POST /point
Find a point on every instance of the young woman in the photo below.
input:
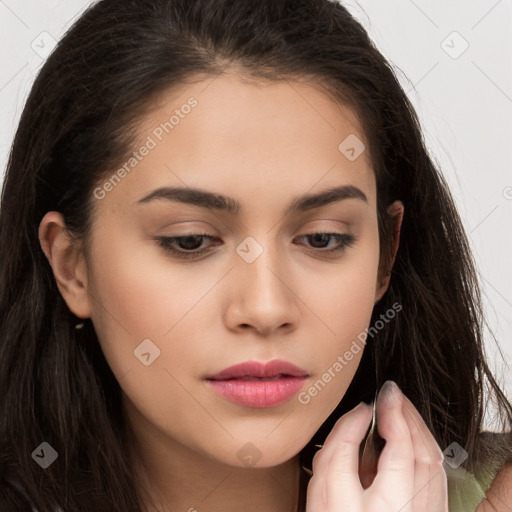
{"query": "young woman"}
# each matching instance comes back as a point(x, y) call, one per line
point(221, 238)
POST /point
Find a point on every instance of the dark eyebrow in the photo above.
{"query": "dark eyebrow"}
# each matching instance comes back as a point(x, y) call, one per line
point(213, 201)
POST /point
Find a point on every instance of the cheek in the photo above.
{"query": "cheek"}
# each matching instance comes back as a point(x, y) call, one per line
point(173, 305)
point(344, 304)
point(150, 309)
point(136, 300)
point(138, 295)
point(345, 296)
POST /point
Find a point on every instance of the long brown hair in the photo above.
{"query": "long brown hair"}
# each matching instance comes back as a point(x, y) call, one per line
point(79, 121)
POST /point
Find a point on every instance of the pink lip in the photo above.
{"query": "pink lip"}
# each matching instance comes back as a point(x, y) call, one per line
point(271, 369)
point(255, 384)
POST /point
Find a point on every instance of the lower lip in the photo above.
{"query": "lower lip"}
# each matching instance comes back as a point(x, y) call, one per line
point(258, 393)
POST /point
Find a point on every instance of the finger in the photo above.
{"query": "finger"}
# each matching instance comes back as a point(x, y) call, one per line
point(344, 487)
point(430, 482)
point(316, 499)
point(335, 466)
point(395, 469)
point(348, 425)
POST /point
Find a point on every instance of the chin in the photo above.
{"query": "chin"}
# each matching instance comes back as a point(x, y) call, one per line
point(265, 454)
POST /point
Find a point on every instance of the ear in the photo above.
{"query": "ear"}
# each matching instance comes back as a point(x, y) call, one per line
point(67, 263)
point(396, 211)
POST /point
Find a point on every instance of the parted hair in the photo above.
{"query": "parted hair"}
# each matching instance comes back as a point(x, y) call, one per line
point(80, 120)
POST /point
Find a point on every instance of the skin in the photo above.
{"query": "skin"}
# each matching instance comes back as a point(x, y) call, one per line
point(264, 145)
point(499, 495)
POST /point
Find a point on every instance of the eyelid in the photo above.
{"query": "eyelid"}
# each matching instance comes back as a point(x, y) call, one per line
point(347, 239)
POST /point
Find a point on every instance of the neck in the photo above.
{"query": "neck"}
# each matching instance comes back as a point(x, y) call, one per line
point(173, 477)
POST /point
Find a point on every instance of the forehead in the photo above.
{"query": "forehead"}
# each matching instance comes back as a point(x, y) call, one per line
point(273, 140)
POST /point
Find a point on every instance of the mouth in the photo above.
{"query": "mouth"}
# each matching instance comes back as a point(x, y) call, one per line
point(249, 378)
point(258, 385)
point(274, 369)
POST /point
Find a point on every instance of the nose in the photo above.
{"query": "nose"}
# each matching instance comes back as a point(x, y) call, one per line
point(263, 296)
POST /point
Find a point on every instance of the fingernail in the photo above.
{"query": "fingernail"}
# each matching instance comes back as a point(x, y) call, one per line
point(363, 405)
point(391, 394)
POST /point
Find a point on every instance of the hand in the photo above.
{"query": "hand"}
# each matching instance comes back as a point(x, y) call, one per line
point(409, 476)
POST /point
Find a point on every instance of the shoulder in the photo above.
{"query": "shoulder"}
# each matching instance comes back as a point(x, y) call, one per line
point(498, 497)
point(486, 487)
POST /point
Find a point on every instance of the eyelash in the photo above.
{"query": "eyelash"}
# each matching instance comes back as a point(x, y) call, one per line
point(166, 243)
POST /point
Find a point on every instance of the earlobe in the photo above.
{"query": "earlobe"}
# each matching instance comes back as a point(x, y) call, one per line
point(396, 211)
point(67, 263)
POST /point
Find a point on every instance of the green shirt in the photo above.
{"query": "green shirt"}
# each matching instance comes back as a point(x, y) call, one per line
point(465, 490)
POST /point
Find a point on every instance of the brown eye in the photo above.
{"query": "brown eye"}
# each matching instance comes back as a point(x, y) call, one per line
point(189, 246)
point(185, 246)
point(320, 240)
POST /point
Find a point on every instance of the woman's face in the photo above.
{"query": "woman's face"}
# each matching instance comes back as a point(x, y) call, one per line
point(264, 288)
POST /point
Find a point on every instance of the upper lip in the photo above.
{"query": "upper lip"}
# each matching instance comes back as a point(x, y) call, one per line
point(270, 369)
